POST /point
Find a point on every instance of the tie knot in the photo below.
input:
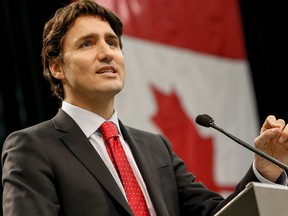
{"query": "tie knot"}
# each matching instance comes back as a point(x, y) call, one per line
point(108, 129)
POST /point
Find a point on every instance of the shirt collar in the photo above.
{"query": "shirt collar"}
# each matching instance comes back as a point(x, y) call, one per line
point(88, 121)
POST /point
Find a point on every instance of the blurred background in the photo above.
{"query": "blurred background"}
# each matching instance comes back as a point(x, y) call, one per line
point(25, 97)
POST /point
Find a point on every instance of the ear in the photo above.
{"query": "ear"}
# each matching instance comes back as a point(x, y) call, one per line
point(56, 69)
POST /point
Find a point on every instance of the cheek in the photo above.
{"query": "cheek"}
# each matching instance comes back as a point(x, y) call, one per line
point(122, 71)
point(77, 65)
point(121, 63)
point(75, 70)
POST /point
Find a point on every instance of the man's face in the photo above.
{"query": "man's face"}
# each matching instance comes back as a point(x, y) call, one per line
point(93, 61)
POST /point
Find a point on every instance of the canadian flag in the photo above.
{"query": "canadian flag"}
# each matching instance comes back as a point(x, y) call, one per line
point(185, 58)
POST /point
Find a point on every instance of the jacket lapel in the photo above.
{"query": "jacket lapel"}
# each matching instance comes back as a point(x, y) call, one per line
point(147, 168)
point(77, 142)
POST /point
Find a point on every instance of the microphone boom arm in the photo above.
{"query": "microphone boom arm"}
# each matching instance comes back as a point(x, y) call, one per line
point(252, 148)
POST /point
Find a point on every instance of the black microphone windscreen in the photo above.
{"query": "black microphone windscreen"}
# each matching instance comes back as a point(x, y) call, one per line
point(204, 120)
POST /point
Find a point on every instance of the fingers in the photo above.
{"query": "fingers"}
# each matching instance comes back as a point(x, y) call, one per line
point(275, 130)
point(266, 136)
point(272, 122)
point(283, 138)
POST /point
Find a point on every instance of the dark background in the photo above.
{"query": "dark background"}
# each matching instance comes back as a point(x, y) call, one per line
point(25, 97)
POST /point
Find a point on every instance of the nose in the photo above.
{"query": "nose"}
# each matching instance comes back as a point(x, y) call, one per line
point(105, 53)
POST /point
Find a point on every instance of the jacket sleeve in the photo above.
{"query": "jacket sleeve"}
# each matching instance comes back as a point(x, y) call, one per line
point(27, 178)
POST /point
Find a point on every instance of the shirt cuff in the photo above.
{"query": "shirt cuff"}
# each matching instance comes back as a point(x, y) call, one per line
point(282, 180)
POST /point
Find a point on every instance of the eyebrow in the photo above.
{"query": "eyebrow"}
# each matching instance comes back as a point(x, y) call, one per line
point(93, 35)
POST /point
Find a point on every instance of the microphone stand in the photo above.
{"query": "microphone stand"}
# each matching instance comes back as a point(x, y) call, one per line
point(252, 148)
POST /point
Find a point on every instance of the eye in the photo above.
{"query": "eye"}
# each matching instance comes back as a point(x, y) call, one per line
point(113, 42)
point(86, 43)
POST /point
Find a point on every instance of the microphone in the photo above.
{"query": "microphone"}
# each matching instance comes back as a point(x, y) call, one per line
point(207, 121)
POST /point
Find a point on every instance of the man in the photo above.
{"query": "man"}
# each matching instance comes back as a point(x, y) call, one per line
point(61, 166)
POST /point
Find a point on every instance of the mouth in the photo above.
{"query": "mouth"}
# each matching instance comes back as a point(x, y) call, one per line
point(106, 69)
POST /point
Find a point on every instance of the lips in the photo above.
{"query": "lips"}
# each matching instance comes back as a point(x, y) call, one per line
point(106, 69)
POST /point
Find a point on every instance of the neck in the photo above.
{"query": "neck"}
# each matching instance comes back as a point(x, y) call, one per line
point(103, 108)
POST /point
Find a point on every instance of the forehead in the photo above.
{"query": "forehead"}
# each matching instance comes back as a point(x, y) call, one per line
point(89, 24)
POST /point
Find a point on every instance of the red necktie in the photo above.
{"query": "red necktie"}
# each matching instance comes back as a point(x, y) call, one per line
point(116, 152)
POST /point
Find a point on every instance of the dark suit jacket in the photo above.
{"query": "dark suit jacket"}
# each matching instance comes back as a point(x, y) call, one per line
point(52, 169)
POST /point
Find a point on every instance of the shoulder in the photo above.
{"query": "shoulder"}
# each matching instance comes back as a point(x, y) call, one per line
point(39, 132)
point(27, 136)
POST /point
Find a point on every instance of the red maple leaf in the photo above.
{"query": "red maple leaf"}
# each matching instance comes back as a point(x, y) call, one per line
point(196, 151)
